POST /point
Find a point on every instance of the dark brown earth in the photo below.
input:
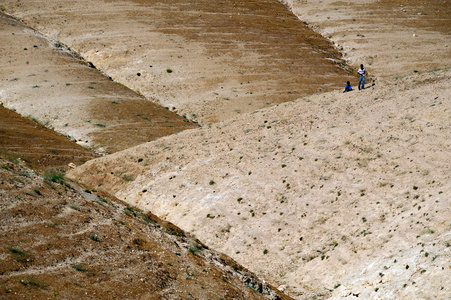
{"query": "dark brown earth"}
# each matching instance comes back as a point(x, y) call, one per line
point(59, 241)
point(23, 139)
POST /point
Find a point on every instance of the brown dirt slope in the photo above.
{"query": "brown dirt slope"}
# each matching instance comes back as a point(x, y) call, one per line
point(43, 80)
point(208, 60)
point(42, 148)
point(59, 241)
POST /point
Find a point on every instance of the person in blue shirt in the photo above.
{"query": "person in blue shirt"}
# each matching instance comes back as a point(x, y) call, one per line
point(348, 87)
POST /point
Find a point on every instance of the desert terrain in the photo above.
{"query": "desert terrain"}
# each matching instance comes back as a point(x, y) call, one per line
point(322, 194)
point(206, 61)
point(60, 241)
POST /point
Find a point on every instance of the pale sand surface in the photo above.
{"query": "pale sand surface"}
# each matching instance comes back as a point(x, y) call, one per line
point(391, 38)
point(362, 178)
point(349, 194)
point(208, 61)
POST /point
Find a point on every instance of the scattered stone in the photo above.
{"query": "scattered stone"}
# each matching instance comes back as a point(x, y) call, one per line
point(282, 288)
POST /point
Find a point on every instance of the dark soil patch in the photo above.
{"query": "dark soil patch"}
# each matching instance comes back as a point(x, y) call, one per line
point(61, 241)
point(26, 140)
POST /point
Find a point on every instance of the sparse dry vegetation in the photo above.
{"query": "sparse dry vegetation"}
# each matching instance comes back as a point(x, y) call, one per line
point(331, 194)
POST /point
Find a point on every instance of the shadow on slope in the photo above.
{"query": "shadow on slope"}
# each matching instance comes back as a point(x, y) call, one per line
point(26, 140)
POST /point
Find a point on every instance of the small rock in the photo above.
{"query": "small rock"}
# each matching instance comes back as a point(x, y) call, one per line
point(282, 288)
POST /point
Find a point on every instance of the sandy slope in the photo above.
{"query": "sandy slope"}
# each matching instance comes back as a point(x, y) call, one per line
point(333, 195)
point(391, 37)
point(337, 187)
point(43, 80)
point(207, 60)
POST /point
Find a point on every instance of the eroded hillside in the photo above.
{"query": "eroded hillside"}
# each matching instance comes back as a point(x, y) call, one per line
point(206, 60)
point(346, 192)
point(25, 140)
point(332, 195)
point(45, 81)
point(61, 241)
point(391, 38)
point(329, 196)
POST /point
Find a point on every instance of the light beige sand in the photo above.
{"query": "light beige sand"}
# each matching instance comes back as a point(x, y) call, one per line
point(362, 178)
point(332, 195)
point(208, 61)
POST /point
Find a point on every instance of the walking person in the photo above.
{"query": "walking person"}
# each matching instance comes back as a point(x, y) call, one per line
point(362, 73)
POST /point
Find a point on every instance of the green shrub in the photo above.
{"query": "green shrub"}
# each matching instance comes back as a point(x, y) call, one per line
point(55, 176)
point(79, 267)
point(94, 237)
point(194, 249)
point(18, 254)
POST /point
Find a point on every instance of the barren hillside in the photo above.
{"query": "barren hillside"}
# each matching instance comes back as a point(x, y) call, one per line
point(334, 190)
point(25, 140)
point(43, 80)
point(59, 241)
point(330, 195)
point(206, 60)
point(391, 38)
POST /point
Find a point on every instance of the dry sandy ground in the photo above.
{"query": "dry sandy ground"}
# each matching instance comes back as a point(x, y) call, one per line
point(347, 193)
point(334, 195)
point(43, 80)
point(329, 196)
point(60, 241)
point(206, 60)
point(390, 37)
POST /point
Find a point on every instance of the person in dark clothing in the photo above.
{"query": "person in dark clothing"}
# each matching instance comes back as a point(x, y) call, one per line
point(348, 87)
